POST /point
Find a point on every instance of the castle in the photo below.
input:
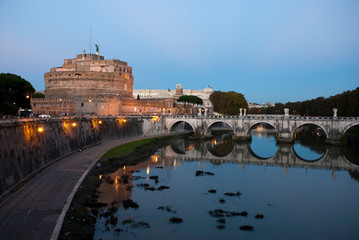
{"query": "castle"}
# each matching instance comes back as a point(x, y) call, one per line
point(91, 85)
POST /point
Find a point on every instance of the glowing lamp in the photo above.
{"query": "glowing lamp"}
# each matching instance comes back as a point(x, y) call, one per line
point(74, 124)
point(100, 122)
point(40, 129)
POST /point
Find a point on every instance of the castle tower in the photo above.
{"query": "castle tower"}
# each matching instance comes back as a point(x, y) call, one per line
point(179, 91)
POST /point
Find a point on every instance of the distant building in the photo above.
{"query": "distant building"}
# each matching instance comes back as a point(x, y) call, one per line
point(174, 94)
point(257, 105)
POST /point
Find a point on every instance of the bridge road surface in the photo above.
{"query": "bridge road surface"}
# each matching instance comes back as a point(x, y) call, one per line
point(32, 212)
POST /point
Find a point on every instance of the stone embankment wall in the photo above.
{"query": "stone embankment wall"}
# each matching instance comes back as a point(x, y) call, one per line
point(24, 148)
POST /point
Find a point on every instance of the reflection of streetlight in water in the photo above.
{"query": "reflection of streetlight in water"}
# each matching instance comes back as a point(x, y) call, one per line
point(190, 147)
point(148, 169)
point(116, 184)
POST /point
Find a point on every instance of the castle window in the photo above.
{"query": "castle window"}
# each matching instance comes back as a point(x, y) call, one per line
point(77, 74)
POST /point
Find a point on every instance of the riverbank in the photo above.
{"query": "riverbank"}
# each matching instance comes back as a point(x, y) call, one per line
point(79, 221)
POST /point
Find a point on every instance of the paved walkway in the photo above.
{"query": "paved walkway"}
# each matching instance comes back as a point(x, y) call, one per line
point(33, 211)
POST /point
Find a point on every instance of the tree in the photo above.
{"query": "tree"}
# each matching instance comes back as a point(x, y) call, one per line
point(347, 104)
point(227, 103)
point(190, 99)
point(15, 92)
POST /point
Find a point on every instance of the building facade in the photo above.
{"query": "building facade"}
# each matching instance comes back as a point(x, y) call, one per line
point(91, 85)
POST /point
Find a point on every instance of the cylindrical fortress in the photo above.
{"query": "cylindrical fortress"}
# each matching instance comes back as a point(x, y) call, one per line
point(89, 75)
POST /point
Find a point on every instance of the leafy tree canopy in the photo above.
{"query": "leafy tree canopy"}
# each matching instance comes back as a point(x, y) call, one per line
point(15, 92)
point(227, 103)
point(190, 99)
point(347, 104)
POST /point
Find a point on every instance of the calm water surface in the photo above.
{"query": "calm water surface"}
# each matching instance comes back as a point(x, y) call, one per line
point(302, 192)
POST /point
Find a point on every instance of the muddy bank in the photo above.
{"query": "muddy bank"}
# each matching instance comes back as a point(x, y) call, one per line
point(80, 219)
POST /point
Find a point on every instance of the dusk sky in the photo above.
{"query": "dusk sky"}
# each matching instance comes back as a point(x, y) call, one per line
point(271, 51)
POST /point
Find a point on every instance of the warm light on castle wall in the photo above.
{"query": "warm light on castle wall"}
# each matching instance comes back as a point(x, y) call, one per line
point(121, 120)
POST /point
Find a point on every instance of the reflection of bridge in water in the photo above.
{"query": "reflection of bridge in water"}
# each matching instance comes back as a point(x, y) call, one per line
point(285, 157)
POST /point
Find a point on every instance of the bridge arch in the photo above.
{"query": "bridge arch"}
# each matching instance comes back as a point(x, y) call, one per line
point(178, 122)
point(311, 123)
point(307, 160)
point(182, 147)
point(256, 156)
point(221, 146)
point(210, 126)
point(261, 122)
point(348, 127)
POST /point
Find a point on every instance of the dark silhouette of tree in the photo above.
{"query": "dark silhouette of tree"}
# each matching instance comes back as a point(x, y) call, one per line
point(227, 103)
point(15, 92)
point(38, 95)
point(190, 99)
point(347, 104)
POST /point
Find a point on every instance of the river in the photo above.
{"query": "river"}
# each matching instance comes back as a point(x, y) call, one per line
point(224, 190)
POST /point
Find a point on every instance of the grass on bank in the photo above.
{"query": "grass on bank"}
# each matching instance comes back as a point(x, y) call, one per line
point(127, 148)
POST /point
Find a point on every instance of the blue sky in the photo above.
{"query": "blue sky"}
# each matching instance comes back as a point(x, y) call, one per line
point(276, 51)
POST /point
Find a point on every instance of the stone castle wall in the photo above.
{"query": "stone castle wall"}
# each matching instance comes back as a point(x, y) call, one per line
point(101, 106)
point(24, 150)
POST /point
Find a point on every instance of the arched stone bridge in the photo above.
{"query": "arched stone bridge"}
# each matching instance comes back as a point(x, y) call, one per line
point(285, 126)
